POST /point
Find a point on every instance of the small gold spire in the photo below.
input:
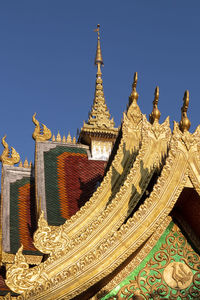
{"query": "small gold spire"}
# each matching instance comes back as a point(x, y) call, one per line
point(155, 115)
point(20, 164)
point(74, 140)
point(69, 139)
point(30, 165)
point(26, 163)
point(53, 138)
point(134, 94)
point(185, 122)
point(98, 58)
point(58, 137)
point(64, 139)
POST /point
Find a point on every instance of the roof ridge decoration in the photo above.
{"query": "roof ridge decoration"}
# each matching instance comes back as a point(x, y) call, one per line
point(99, 118)
point(123, 160)
point(5, 157)
point(38, 135)
point(117, 246)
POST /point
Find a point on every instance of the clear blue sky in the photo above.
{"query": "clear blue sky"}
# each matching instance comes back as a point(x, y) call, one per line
point(47, 51)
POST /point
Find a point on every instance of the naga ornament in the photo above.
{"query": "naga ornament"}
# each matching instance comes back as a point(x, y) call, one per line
point(6, 158)
point(39, 134)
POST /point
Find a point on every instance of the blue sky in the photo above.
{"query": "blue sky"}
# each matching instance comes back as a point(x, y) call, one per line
point(47, 55)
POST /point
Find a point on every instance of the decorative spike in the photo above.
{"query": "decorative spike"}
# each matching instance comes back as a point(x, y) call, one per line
point(5, 156)
point(155, 115)
point(20, 164)
point(74, 140)
point(134, 94)
point(58, 137)
point(69, 139)
point(98, 58)
point(53, 138)
point(30, 165)
point(37, 135)
point(26, 163)
point(64, 139)
point(185, 122)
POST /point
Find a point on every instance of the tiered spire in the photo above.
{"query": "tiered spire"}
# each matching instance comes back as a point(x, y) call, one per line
point(99, 117)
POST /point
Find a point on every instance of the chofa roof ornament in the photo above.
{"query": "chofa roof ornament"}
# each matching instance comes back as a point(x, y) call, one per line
point(155, 115)
point(38, 135)
point(6, 158)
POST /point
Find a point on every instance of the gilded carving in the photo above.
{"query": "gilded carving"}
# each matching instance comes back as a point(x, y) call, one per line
point(163, 276)
point(178, 275)
point(37, 134)
point(49, 235)
point(20, 277)
point(5, 157)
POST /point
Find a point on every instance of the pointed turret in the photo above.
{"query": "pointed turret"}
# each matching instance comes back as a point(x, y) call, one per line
point(99, 127)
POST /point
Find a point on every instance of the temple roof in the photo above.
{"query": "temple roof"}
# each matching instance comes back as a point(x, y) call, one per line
point(137, 231)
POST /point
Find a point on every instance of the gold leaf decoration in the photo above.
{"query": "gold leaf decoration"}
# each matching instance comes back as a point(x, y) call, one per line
point(20, 277)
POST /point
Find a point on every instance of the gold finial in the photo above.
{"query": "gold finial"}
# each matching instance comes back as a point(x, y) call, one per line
point(98, 58)
point(6, 160)
point(58, 137)
point(69, 139)
point(53, 138)
point(185, 122)
point(37, 135)
point(26, 163)
point(74, 140)
point(64, 139)
point(134, 94)
point(20, 164)
point(155, 115)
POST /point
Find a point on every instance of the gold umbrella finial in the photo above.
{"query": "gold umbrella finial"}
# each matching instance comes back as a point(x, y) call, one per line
point(134, 95)
point(98, 58)
point(155, 115)
point(185, 122)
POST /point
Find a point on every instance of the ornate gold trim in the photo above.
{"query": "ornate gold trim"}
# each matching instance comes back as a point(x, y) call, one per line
point(4, 158)
point(148, 246)
point(37, 135)
point(16, 275)
point(31, 259)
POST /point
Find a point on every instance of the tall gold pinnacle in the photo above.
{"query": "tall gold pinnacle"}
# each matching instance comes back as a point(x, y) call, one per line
point(185, 122)
point(134, 95)
point(99, 116)
point(155, 115)
point(98, 58)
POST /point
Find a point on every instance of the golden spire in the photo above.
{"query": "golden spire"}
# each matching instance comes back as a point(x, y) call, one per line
point(185, 122)
point(155, 115)
point(134, 94)
point(99, 116)
point(98, 58)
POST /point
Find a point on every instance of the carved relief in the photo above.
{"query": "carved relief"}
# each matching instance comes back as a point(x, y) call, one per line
point(20, 277)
